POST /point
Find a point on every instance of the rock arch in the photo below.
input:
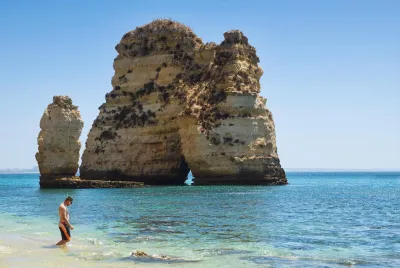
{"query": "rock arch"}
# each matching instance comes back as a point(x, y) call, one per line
point(176, 104)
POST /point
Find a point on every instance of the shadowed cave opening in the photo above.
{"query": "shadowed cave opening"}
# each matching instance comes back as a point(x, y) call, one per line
point(184, 172)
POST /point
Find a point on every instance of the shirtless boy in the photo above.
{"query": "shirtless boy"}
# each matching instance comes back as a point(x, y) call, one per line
point(64, 225)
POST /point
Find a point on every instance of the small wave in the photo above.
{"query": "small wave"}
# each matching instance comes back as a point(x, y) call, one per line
point(5, 249)
point(149, 238)
point(89, 238)
point(41, 233)
point(97, 255)
point(92, 256)
point(377, 227)
point(145, 223)
point(158, 230)
point(224, 251)
point(308, 259)
point(95, 242)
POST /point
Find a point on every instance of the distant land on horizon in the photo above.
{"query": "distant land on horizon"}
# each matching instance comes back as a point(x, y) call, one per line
point(341, 170)
point(36, 170)
point(19, 170)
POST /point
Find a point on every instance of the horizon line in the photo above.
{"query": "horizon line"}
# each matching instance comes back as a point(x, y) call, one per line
point(343, 169)
point(31, 171)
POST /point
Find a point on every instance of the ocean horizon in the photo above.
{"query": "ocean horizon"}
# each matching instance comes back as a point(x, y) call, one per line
point(287, 170)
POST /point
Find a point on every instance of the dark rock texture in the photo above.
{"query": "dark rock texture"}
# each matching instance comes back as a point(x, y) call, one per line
point(75, 183)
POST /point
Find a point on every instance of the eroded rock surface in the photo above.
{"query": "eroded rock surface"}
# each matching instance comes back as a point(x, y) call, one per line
point(178, 104)
point(58, 140)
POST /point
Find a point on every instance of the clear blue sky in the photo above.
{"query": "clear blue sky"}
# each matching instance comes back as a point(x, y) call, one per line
point(331, 69)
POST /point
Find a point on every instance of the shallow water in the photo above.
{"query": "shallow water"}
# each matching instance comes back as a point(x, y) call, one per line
point(318, 220)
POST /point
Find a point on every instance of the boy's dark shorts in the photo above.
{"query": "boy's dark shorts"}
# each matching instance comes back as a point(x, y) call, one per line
point(65, 232)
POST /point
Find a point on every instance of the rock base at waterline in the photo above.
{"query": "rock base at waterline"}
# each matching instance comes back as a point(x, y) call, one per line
point(177, 178)
point(75, 182)
point(276, 176)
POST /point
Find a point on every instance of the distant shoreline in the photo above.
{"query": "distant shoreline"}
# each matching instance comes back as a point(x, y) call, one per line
point(339, 170)
point(19, 172)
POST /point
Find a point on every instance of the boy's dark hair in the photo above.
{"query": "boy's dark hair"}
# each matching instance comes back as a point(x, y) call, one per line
point(69, 199)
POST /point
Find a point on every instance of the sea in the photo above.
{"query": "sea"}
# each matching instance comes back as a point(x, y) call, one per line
point(320, 219)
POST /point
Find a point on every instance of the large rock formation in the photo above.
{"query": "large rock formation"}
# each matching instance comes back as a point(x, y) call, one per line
point(178, 104)
point(58, 140)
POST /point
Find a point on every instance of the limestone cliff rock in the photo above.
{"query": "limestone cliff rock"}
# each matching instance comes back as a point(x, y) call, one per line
point(178, 104)
point(58, 140)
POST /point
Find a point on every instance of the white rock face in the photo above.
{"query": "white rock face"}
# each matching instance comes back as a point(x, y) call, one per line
point(61, 126)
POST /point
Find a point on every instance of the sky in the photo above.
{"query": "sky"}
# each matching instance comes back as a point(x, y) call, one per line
point(331, 69)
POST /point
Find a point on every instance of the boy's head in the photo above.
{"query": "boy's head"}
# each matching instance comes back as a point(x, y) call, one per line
point(68, 201)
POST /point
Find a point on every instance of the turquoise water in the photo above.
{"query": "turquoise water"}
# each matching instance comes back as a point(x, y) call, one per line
point(318, 220)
